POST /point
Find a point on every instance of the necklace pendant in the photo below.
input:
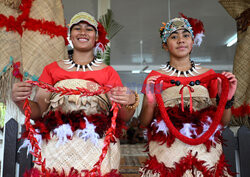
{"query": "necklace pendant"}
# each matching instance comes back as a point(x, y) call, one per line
point(163, 66)
point(78, 67)
point(179, 73)
point(169, 69)
point(93, 63)
point(189, 71)
point(71, 66)
point(89, 67)
point(195, 71)
point(166, 68)
point(185, 73)
point(173, 72)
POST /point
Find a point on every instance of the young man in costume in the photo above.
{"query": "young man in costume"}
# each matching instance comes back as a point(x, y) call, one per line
point(180, 109)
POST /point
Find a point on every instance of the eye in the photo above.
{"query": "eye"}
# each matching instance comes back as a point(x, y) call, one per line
point(186, 35)
point(173, 37)
point(90, 29)
point(77, 28)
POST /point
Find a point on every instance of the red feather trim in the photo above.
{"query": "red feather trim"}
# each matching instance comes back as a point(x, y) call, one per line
point(46, 27)
point(24, 22)
point(189, 162)
point(102, 35)
point(196, 24)
point(56, 118)
point(34, 172)
point(178, 118)
point(241, 111)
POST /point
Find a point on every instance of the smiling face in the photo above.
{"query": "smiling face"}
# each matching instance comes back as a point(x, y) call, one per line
point(179, 44)
point(83, 36)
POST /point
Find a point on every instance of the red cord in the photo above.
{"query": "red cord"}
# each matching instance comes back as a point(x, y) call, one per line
point(96, 171)
point(216, 120)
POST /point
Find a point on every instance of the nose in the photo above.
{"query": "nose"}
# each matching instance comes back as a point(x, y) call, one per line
point(83, 31)
point(180, 40)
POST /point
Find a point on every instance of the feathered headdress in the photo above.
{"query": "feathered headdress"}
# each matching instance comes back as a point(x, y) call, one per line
point(194, 26)
point(198, 29)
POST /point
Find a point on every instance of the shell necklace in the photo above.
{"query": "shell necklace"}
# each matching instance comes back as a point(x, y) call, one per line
point(72, 64)
point(168, 68)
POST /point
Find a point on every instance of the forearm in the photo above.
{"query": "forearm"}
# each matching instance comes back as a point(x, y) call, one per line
point(35, 110)
point(125, 114)
point(226, 117)
point(147, 113)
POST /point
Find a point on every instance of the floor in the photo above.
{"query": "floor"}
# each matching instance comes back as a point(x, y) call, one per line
point(132, 158)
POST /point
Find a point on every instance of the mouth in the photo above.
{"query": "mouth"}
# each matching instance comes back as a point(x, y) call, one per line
point(182, 47)
point(81, 39)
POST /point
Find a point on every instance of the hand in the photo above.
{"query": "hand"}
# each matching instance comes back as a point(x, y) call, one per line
point(150, 89)
point(232, 84)
point(122, 95)
point(21, 91)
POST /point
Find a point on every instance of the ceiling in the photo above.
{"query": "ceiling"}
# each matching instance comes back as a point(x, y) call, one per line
point(142, 19)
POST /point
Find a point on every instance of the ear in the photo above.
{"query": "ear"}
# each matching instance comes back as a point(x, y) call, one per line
point(165, 46)
point(96, 38)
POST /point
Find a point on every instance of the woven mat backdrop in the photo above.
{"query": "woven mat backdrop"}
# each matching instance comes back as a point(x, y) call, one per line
point(14, 4)
point(240, 11)
point(34, 46)
point(39, 50)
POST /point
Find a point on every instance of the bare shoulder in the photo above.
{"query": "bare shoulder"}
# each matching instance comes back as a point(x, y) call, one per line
point(101, 66)
point(203, 69)
point(61, 64)
point(160, 71)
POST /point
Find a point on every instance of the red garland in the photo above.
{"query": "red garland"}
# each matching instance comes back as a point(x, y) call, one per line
point(66, 91)
point(96, 171)
point(34, 172)
point(197, 25)
point(24, 22)
point(188, 163)
point(216, 119)
point(241, 111)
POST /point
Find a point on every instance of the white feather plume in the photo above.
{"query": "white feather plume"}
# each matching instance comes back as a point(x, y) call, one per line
point(187, 130)
point(161, 126)
point(63, 132)
point(198, 39)
point(206, 126)
point(27, 144)
point(88, 132)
